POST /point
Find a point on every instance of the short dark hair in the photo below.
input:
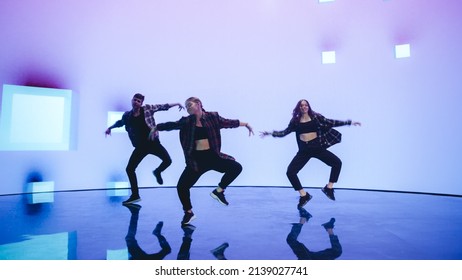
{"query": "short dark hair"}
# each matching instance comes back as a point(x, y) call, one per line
point(139, 96)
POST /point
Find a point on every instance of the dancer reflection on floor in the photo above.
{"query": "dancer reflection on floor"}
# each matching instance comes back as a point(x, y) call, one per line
point(219, 252)
point(136, 253)
point(185, 248)
point(201, 142)
point(134, 249)
point(314, 134)
point(302, 252)
point(138, 123)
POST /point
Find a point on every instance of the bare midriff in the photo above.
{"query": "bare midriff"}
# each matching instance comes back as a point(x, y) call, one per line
point(306, 137)
point(202, 144)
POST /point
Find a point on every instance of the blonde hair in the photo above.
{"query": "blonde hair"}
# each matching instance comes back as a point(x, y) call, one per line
point(195, 100)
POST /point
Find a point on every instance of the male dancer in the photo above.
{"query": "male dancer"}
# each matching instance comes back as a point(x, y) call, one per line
point(138, 123)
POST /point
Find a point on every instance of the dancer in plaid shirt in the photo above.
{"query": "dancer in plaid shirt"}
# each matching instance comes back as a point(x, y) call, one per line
point(314, 134)
point(138, 123)
point(201, 142)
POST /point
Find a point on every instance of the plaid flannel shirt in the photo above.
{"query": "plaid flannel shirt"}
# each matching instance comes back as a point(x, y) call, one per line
point(327, 136)
point(212, 122)
point(149, 111)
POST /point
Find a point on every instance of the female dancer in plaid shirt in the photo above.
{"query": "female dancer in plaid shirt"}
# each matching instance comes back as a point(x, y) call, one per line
point(201, 142)
point(314, 134)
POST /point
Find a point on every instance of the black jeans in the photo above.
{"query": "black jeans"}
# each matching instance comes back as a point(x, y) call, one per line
point(304, 155)
point(154, 148)
point(207, 160)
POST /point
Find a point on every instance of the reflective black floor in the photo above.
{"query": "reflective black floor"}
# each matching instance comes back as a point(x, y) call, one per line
point(369, 225)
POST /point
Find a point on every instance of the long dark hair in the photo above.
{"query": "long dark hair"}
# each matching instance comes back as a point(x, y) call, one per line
point(297, 114)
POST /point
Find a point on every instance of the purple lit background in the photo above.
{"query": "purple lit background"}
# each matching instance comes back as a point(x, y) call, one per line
point(252, 60)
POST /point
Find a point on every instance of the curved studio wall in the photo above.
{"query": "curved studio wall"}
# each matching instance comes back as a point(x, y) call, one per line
point(251, 60)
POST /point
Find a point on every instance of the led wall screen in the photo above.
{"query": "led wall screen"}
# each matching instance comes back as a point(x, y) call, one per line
point(34, 118)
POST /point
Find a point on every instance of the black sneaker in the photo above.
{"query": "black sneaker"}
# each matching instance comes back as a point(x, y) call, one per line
point(304, 200)
point(132, 199)
point(159, 179)
point(134, 208)
point(188, 230)
point(328, 192)
point(329, 224)
point(187, 218)
point(220, 196)
point(219, 252)
point(304, 214)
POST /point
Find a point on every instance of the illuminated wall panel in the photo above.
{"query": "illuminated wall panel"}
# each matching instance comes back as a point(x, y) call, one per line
point(40, 192)
point(402, 51)
point(112, 117)
point(34, 118)
point(328, 57)
point(117, 189)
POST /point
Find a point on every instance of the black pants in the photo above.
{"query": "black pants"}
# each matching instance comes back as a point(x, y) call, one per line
point(304, 155)
point(153, 148)
point(184, 252)
point(207, 160)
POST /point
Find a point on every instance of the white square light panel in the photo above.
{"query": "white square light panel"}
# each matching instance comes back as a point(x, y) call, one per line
point(402, 51)
point(34, 118)
point(112, 117)
point(328, 57)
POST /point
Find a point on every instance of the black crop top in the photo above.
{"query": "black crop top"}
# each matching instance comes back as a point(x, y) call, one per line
point(306, 127)
point(200, 133)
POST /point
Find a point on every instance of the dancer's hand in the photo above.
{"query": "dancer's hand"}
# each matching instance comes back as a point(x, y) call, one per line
point(152, 133)
point(250, 129)
point(264, 133)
